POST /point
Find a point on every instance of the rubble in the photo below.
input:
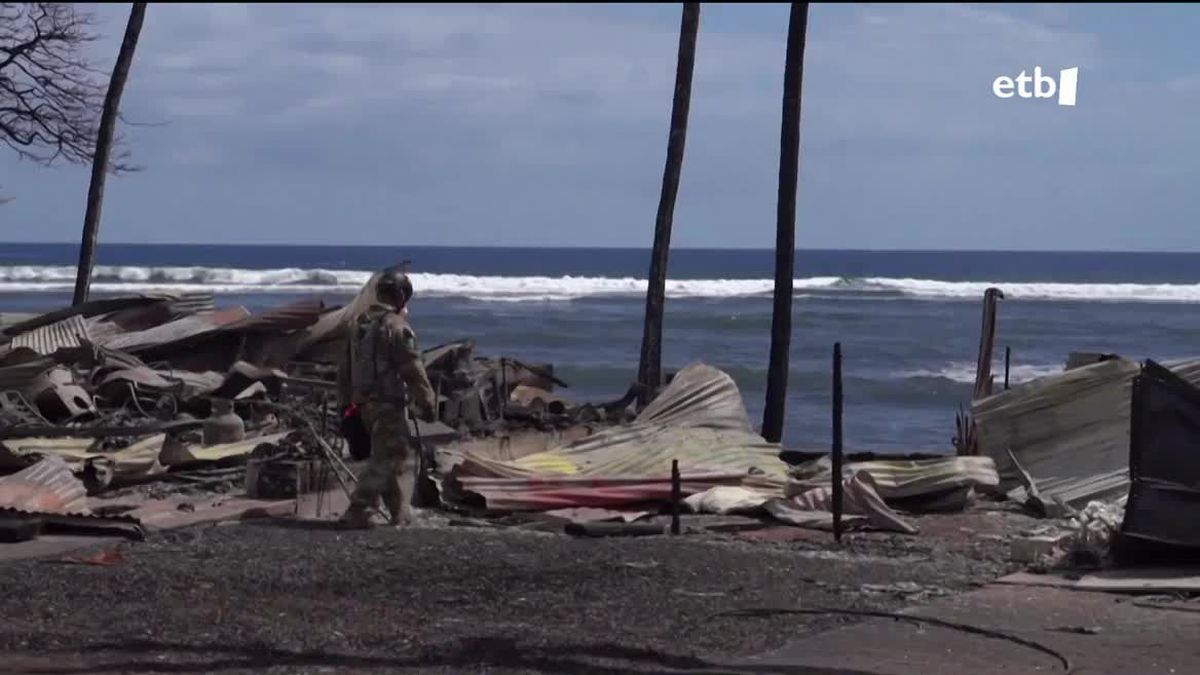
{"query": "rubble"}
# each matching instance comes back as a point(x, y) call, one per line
point(176, 394)
point(725, 468)
point(1105, 452)
point(1042, 549)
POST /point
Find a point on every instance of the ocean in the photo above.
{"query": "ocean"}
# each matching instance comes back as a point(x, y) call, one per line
point(908, 321)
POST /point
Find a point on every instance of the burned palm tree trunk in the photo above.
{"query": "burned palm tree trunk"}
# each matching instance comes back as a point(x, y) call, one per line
point(650, 363)
point(785, 226)
point(108, 123)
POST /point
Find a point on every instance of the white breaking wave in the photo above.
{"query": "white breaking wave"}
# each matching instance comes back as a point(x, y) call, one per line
point(1037, 291)
point(964, 371)
point(132, 279)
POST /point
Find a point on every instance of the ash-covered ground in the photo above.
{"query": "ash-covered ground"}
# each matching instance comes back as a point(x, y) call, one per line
point(278, 597)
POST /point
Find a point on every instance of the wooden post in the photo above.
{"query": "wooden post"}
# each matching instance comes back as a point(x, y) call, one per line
point(108, 123)
point(650, 363)
point(836, 450)
point(987, 342)
point(785, 227)
point(676, 495)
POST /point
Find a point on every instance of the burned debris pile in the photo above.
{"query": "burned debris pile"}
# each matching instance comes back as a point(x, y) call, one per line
point(486, 395)
point(134, 413)
point(167, 395)
point(1108, 454)
point(698, 429)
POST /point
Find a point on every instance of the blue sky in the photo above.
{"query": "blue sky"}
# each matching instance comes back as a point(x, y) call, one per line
point(547, 125)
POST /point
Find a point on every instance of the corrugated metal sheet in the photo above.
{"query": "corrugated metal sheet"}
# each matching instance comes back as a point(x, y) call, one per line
point(699, 420)
point(293, 316)
point(1069, 432)
point(900, 479)
point(46, 487)
point(175, 331)
point(191, 303)
point(66, 334)
point(558, 492)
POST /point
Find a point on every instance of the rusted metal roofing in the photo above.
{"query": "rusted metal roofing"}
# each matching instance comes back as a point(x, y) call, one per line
point(176, 331)
point(46, 487)
point(292, 316)
point(66, 334)
point(699, 420)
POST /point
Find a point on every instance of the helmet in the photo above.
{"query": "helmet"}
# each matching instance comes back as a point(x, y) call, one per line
point(393, 287)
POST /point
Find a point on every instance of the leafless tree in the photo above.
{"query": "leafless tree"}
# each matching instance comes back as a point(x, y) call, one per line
point(50, 96)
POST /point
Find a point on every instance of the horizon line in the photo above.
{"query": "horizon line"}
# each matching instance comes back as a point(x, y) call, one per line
point(616, 248)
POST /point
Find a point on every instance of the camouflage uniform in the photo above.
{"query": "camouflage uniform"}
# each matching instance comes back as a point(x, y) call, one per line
point(382, 374)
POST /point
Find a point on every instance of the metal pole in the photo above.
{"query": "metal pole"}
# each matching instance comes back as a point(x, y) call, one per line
point(838, 495)
point(785, 227)
point(676, 495)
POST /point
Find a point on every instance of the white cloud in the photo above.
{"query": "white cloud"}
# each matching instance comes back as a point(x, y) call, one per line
point(903, 140)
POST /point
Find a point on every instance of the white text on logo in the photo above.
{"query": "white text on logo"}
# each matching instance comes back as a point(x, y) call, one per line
point(1044, 86)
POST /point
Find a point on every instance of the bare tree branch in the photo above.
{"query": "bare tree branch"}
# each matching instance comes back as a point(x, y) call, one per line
point(50, 96)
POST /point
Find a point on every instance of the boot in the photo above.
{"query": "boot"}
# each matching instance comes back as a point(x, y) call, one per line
point(399, 512)
point(356, 518)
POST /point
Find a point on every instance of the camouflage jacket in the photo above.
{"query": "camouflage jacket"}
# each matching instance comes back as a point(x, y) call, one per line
point(383, 363)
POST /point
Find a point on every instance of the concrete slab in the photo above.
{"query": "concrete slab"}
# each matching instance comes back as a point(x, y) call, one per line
point(1098, 633)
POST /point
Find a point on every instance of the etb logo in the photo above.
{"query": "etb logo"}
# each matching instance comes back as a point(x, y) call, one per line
point(1044, 86)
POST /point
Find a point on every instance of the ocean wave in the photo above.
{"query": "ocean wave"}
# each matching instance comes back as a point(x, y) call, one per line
point(35, 279)
point(964, 372)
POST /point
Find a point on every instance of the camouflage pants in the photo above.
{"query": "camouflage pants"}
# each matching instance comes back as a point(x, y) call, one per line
point(390, 444)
